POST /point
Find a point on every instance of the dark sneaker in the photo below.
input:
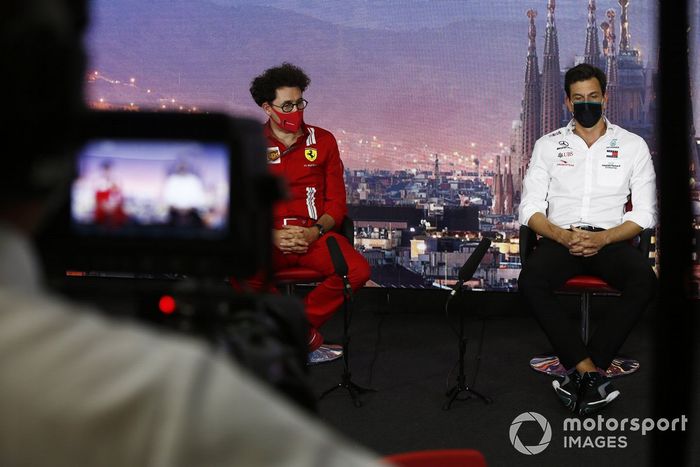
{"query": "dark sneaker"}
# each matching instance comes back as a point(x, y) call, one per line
point(597, 391)
point(567, 389)
point(325, 353)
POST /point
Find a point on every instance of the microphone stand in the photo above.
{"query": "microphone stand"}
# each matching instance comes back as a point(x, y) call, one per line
point(346, 379)
point(461, 386)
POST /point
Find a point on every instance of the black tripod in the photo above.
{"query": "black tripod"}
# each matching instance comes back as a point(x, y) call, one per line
point(465, 273)
point(341, 268)
point(461, 386)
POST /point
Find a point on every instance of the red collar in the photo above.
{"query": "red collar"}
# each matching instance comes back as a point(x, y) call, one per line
point(267, 131)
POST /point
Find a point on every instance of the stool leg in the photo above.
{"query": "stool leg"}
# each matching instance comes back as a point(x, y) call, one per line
point(585, 316)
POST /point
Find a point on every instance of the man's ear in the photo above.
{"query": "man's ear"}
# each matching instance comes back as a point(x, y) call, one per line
point(569, 105)
point(267, 108)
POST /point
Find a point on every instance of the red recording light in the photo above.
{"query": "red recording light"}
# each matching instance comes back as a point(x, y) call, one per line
point(76, 273)
point(167, 304)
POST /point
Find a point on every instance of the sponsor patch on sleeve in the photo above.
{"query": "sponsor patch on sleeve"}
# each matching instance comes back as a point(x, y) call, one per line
point(273, 155)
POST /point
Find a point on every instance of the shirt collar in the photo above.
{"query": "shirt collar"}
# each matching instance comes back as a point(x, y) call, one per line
point(267, 131)
point(610, 129)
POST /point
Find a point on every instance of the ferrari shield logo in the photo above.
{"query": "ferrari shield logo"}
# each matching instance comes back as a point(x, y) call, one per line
point(273, 155)
point(310, 154)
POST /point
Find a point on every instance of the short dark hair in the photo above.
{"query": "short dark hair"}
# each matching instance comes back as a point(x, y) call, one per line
point(43, 64)
point(584, 72)
point(264, 87)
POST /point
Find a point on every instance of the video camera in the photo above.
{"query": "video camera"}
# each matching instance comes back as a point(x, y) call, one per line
point(165, 192)
point(160, 211)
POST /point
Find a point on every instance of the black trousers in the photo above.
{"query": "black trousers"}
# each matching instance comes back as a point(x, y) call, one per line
point(620, 264)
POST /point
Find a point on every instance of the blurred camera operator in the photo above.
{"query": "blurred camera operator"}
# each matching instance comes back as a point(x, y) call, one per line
point(77, 389)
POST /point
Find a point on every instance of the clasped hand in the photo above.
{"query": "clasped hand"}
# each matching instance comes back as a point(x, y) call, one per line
point(294, 239)
point(585, 243)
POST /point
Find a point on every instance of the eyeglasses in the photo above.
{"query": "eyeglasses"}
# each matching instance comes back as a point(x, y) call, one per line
point(289, 106)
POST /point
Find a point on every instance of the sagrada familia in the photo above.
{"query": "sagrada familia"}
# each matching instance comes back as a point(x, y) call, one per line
point(631, 100)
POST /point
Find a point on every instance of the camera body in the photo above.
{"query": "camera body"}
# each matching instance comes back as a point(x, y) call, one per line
point(165, 206)
point(164, 193)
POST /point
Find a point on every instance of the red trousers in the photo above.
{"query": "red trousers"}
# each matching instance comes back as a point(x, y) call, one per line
point(327, 297)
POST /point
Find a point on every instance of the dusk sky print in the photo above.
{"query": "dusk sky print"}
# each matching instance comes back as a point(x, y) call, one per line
point(423, 76)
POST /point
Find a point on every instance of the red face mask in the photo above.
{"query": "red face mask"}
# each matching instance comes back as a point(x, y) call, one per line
point(290, 122)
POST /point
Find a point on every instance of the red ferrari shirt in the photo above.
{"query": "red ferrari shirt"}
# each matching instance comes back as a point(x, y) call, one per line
point(314, 174)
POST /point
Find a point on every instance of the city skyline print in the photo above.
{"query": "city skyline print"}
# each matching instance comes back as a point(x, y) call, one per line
point(435, 105)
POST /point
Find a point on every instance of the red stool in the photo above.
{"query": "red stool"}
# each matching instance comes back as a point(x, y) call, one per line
point(290, 277)
point(438, 458)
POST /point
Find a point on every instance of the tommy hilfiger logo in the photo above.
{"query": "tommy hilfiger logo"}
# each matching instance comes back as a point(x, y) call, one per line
point(612, 153)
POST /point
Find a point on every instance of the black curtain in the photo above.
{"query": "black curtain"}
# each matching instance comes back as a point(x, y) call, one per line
point(674, 317)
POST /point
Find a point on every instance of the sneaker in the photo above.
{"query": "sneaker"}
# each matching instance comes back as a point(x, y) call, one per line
point(567, 389)
point(324, 354)
point(328, 345)
point(597, 391)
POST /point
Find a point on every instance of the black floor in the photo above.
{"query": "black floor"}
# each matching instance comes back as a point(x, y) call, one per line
point(406, 350)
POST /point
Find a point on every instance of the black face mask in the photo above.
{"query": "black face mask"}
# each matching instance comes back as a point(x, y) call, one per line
point(587, 114)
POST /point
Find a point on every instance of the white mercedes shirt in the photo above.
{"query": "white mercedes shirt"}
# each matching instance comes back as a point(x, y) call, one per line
point(573, 184)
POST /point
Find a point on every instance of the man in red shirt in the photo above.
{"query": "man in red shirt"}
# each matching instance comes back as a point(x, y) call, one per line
point(307, 158)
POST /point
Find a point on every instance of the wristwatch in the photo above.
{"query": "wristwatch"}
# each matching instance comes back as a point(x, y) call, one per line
point(321, 230)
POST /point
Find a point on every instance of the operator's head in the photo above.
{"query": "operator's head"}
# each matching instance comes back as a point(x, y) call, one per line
point(279, 92)
point(42, 78)
point(585, 94)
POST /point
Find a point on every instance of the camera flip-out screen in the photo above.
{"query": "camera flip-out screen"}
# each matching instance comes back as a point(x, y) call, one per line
point(152, 188)
point(165, 193)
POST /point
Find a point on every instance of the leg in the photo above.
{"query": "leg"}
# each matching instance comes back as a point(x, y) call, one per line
point(623, 267)
point(327, 297)
point(547, 269)
point(257, 284)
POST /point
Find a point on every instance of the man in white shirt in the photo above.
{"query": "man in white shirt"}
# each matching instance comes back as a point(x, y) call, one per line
point(77, 389)
point(185, 196)
point(578, 182)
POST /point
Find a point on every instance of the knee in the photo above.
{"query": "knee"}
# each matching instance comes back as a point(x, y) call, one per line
point(527, 280)
point(643, 282)
point(360, 271)
point(523, 280)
